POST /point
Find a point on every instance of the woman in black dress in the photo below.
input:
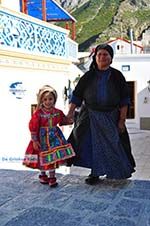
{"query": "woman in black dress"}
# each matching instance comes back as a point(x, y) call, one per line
point(99, 137)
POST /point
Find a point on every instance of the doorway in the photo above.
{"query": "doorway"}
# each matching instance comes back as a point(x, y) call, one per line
point(131, 110)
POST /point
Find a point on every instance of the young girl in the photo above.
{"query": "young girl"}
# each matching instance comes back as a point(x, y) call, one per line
point(48, 147)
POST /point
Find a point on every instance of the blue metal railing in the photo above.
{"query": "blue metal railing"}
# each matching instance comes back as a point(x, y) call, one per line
point(24, 33)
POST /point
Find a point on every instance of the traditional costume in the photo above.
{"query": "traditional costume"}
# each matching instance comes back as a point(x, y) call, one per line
point(95, 137)
point(44, 127)
point(54, 147)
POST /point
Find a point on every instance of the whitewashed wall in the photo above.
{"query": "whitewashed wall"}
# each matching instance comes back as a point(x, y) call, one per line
point(11, 4)
point(15, 113)
point(123, 47)
point(140, 73)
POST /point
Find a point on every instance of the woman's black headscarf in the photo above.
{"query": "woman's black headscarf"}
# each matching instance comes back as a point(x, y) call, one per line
point(101, 46)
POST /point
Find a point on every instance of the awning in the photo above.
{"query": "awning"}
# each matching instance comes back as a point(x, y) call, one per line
point(54, 12)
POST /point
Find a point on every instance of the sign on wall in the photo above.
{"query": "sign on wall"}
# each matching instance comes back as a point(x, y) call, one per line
point(17, 89)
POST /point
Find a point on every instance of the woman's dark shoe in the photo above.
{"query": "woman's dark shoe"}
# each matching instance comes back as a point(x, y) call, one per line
point(92, 180)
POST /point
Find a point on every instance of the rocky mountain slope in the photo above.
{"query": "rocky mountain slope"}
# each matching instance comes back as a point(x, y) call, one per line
point(99, 20)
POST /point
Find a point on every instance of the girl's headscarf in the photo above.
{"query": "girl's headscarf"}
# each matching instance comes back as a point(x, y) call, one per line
point(45, 88)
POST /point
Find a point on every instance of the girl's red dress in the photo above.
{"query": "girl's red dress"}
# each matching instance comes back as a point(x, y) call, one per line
point(54, 148)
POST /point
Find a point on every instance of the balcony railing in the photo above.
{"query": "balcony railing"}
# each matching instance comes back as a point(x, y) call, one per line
point(20, 31)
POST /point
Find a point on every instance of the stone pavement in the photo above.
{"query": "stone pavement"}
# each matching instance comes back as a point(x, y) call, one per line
point(25, 202)
point(140, 141)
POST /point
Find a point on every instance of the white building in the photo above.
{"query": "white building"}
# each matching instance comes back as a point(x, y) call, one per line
point(135, 68)
point(146, 41)
point(32, 53)
point(123, 46)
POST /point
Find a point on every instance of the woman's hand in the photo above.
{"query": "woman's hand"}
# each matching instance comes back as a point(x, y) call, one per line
point(70, 115)
point(122, 118)
point(36, 145)
point(66, 121)
point(121, 125)
point(70, 120)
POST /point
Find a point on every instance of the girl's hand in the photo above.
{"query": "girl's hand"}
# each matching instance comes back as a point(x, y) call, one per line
point(36, 145)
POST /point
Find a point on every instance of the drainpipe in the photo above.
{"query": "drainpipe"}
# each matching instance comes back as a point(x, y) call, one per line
point(131, 38)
